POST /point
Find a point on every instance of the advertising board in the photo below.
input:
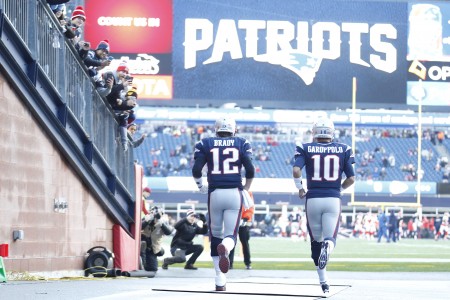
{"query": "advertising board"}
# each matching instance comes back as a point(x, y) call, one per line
point(292, 56)
point(139, 33)
point(428, 53)
point(301, 51)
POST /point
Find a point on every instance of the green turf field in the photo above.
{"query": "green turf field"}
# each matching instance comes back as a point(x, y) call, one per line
point(371, 256)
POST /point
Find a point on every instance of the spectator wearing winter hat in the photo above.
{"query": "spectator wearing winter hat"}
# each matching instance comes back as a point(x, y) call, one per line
point(120, 73)
point(123, 107)
point(76, 23)
point(97, 59)
point(58, 10)
point(104, 46)
point(117, 97)
point(132, 128)
point(66, 27)
point(78, 16)
point(146, 192)
point(129, 102)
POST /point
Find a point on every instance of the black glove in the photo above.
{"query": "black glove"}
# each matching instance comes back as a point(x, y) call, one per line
point(202, 217)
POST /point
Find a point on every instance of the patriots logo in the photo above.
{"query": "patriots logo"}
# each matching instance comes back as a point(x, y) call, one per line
point(305, 65)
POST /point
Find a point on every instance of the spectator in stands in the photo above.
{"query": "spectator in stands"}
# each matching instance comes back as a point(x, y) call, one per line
point(155, 226)
point(383, 173)
point(104, 83)
point(132, 128)
point(183, 148)
point(122, 82)
point(58, 10)
point(128, 103)
point(183, 163)
point(440, 137)
point(446, 176)
point(71, 32)
point(385, 161)
point(148, 170)
point(182, 243)
point(122, 102)
point(83, 48)
point(98, 59)
point(391, 160)
point(121, 72)
point(443, 161)
point(200, 131)
point(427, 154)
point(76, 23)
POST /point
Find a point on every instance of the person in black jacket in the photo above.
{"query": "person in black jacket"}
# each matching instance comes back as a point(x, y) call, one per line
point(182, 243)
point(392, 225)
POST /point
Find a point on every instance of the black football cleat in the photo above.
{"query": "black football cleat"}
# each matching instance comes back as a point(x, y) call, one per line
point(325, 287)
point(221, 288)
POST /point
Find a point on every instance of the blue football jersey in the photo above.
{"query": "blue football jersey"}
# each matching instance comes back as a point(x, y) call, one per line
point(224, 159)
point(324, 163)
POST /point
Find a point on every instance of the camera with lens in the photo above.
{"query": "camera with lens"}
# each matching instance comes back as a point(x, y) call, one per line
point(157, 213)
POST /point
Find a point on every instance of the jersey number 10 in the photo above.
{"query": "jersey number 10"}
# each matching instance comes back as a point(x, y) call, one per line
point(330, 167)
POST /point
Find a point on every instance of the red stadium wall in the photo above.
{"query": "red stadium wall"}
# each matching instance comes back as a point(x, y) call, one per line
point(126, 247)
point(34, 174)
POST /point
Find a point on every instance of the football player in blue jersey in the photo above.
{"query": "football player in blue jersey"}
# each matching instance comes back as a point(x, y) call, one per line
point(325, 162)
point(225, 155)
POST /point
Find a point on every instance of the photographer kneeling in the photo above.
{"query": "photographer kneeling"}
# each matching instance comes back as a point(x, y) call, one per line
point(182, 244)
point(154, 226)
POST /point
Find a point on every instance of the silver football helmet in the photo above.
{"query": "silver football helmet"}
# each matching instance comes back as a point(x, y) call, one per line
point(323, 128)
point(225, 124)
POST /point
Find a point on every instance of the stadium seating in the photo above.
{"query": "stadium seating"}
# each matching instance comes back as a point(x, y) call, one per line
point(278, 164)
point(159, 146)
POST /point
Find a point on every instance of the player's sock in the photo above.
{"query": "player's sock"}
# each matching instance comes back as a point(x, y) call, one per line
point(228, 243)
point(220, 278)
point(322, 274)
point(331, 243)
point(331, 246)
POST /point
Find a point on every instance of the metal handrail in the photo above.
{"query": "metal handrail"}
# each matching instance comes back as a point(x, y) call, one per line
point(37, 26)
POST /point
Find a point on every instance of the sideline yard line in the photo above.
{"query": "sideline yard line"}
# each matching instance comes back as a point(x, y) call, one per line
point(392, 260)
